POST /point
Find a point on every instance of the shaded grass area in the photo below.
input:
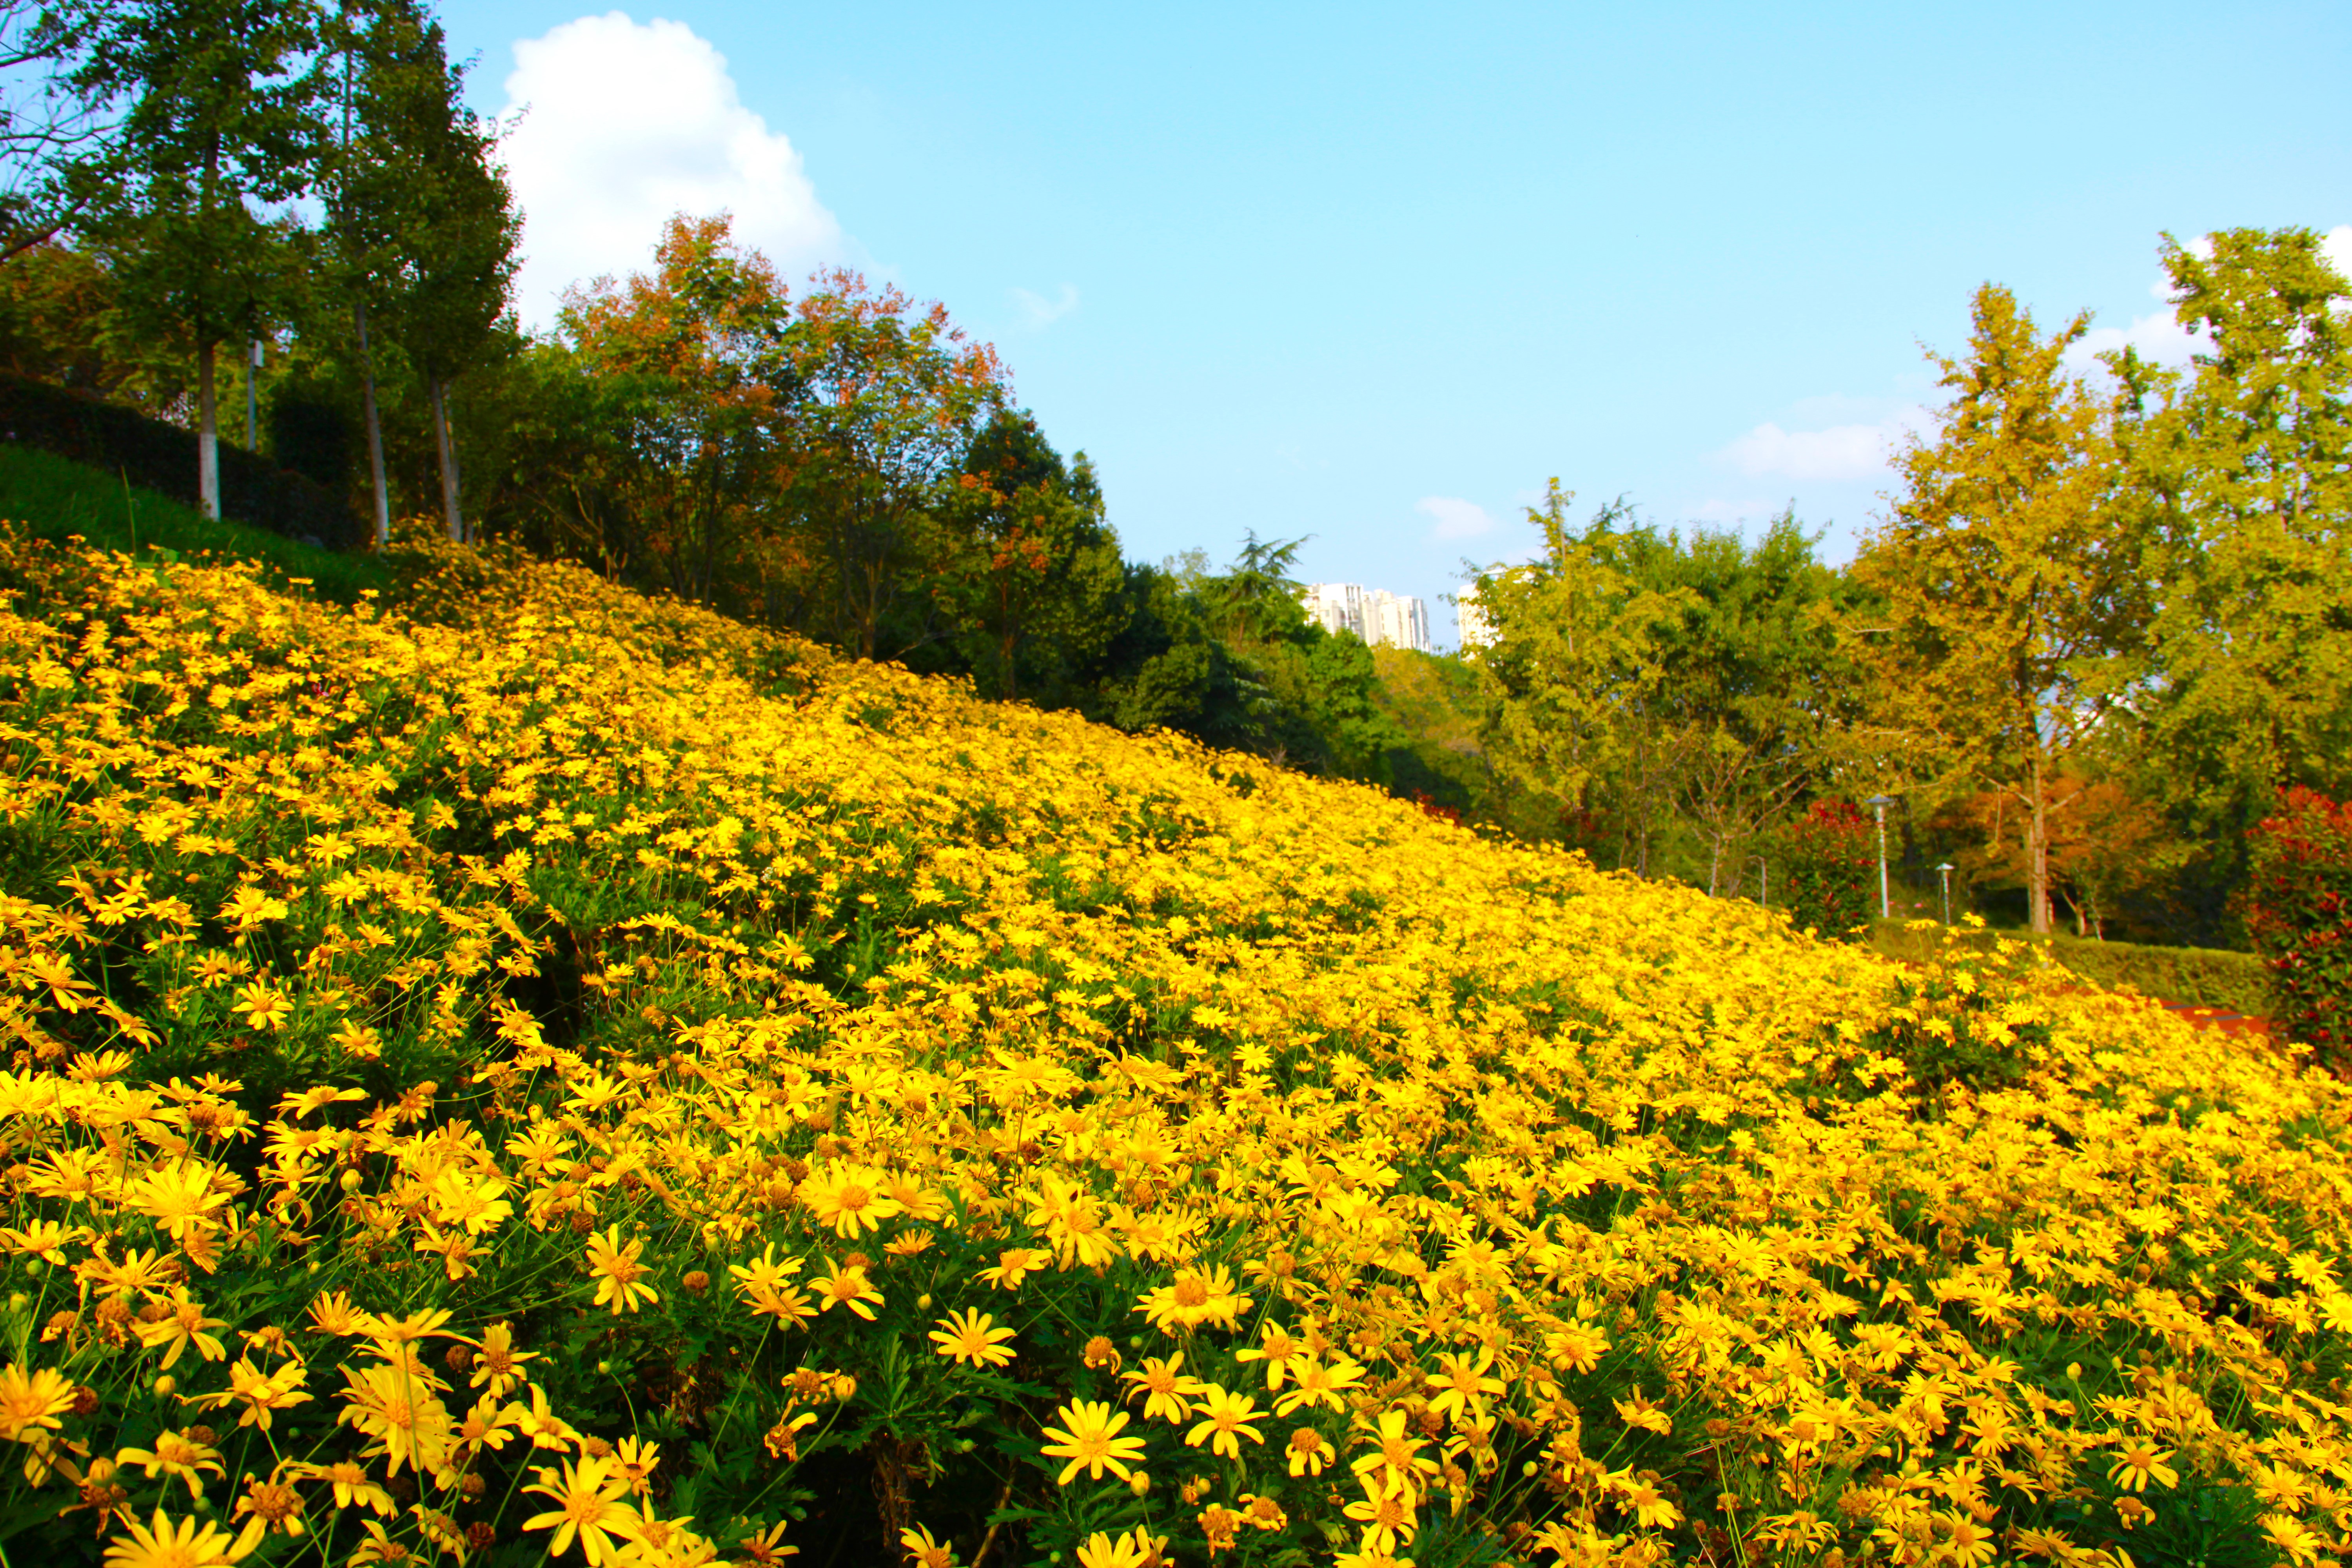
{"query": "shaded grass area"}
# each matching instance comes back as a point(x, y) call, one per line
point(56, 499)
point(2193, 977)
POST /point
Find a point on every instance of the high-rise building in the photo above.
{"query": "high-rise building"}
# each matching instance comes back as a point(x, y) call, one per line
point(1470, 618)
point(1374, 615)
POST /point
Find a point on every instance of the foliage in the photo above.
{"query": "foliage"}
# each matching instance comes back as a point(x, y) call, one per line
point(571, 1070)
point(2300, 916)
point(1830, 876)
point(218, 124)
point(2012, 585)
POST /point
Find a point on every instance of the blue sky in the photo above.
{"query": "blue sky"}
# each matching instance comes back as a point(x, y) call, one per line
point(1372, 273)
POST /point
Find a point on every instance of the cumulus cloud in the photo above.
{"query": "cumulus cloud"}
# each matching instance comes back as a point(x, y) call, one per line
point(1837, 452)
point(624, 125)
point(1037, 310)
point(2337, 248)
point(2159, 337)
point(1456, 517)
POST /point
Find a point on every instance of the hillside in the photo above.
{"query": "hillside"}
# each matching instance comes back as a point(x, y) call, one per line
point(533, 1070)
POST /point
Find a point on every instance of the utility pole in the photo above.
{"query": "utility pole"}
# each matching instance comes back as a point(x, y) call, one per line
point(252, 421)
point(1879, 803)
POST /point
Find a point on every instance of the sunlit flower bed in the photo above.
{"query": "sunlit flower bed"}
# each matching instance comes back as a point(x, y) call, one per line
point(532, 1073)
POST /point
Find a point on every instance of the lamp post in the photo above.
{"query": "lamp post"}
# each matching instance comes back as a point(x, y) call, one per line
point(1879, 804)
point(252, 358)
point(1945, 870)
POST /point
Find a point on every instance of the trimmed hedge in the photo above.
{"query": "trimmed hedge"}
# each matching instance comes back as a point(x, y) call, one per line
point(162, 458)
point(2193, 977)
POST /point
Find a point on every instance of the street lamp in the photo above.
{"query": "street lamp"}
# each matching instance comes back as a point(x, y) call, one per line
point(1946, 872)
point(1879, 803)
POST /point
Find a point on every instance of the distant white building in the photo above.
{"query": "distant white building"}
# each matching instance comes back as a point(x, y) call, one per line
point(1374, 615)
point(1470, 619)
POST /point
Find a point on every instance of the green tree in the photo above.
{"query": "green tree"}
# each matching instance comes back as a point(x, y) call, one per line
point(892, 398)
point(220, 102)
point(1573, 678)
point(2245, 471)
point(436, 227)
point(1033, 571)
point(2014, 580)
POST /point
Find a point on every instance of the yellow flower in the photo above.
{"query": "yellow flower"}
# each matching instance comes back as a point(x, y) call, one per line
point(969, 1339)
point(619, 1275)
point(183, 1325)
point(1088, 1437)
point(1397, 1460)
point(1227, 1415)
point(588, 1506)
point(175, 1453)
point(1309, 1451)
point(177, 1194)
point(2140, 1462)
point(400, 1411)
point(927, 1551)
point(263, 1005)
point(1461, 1389)
point(846, 1287)
point(498, 1365)
point(350, 1483)
point(1014, 1265)
point(849, 1198)
point(1317, 1382)
point(163, 1544)
point(1386, 1512)
point(31, 1400)
point(542, 1425)
point(1194, 1297)
point(1168, 1392)
point(1133, 1549)
point(260, 1394)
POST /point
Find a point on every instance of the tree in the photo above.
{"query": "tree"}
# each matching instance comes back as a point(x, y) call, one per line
point(893, 398)
point(2246, 474)
point(1754, 696)
point(1031, 570)
point(431, 229)
point(221, 116)
point(691, 366)
point(1572, 678)
point(54, 140)
point(2013, 581)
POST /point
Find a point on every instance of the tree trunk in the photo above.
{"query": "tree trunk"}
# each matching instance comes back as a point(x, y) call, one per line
point(2037, 857)
point(375, 431)
point(208, 499)
point(448, 461)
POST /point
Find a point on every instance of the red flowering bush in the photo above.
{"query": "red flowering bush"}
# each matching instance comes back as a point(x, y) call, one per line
point(1831, 879)
point(2299, 912)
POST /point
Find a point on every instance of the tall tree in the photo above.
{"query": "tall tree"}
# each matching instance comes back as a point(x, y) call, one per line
point(1032, 569)
point(698, 387)
point(894, 397)
point(2247, 473)
point(428, 176)
point(220, 100)
point(2014, 582)
point(1573, 678)
point(54, 140)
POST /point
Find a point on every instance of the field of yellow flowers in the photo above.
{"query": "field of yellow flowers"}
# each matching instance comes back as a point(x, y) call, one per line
point(529, 1072)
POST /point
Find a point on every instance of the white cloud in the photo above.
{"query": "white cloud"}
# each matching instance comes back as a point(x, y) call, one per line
point(2337, 248)
point(627, 124)
point(2159, 337)
point(1457, 519)
point(1838, 452)
point(1037, 310)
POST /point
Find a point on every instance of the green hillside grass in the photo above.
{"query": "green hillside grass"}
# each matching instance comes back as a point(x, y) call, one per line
point(57, 499)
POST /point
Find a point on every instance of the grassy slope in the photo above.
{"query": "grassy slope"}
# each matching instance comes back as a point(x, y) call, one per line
point(818, 1001)
point(56, 499)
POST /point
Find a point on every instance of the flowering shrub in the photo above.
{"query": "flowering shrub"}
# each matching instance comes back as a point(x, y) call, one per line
point(2299, 912)
point(572, 1077)
point(1831, 879)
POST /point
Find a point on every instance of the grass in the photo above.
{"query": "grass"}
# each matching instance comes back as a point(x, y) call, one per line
point(58, 499)
point(2192, 976)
